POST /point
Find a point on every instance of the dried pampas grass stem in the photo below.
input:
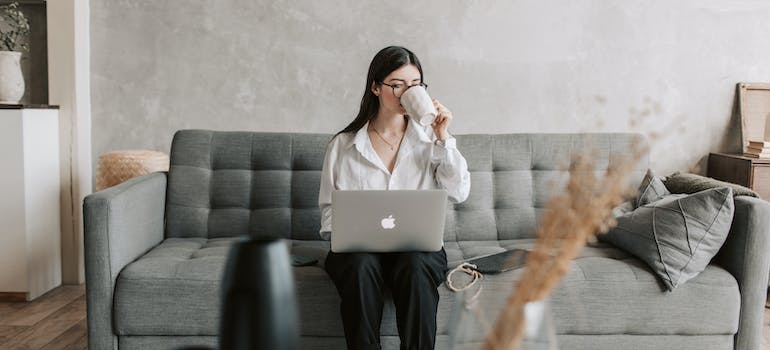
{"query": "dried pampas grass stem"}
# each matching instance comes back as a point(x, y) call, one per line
point(570, 220)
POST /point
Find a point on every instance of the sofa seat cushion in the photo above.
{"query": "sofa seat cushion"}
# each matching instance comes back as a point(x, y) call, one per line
point(606, 292)
point(172, 289)
point(623, 296)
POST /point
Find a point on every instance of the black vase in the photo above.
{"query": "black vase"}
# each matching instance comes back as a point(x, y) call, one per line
point(259, 308)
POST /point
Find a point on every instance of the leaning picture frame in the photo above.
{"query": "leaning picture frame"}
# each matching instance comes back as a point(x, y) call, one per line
point(754, 104)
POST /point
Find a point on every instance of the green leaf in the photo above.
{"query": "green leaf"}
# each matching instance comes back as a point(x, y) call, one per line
point(13, 18)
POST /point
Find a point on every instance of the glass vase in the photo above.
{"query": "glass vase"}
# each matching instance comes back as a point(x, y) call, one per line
point(474, 314)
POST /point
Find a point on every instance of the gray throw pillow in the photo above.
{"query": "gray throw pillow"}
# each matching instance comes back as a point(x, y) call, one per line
point(678, 234)
point(691, 183)
point(623, 208)
point(650, 190)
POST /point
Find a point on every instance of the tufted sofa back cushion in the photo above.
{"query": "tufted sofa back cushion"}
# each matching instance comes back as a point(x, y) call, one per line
point(224, 184)
point(514, 175)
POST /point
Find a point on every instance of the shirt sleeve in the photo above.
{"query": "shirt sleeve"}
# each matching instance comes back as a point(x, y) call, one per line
point(451, 170)
point(327, 187)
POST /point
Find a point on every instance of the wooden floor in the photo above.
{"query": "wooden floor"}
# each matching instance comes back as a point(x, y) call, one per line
point(54, 321)
point(57, 321)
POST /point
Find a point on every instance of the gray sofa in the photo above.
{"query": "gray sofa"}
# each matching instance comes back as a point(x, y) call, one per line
point(155, 247)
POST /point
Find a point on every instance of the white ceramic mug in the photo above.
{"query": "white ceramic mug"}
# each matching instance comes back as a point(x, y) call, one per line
point(418, 105)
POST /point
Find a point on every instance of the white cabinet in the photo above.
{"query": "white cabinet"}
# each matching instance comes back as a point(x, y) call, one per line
point(30, 234)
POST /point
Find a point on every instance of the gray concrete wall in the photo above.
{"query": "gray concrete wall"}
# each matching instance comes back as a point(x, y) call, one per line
point(657, 67)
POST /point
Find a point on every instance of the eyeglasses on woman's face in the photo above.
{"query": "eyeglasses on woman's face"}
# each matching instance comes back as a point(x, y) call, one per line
point(399, 88)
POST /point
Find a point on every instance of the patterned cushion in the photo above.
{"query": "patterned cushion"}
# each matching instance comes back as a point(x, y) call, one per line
point(678, 234)
point(651, 189)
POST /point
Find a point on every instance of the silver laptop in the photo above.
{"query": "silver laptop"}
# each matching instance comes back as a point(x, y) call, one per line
point(388, 221)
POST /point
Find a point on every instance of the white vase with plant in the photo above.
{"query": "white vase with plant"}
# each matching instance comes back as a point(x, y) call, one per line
point(14, 26)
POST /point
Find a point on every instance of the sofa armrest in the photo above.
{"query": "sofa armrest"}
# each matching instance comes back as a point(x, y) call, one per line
point(746, 255)
point(120, 224)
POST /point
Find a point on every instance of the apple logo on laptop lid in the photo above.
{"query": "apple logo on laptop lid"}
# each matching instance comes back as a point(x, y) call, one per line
point(388, 222)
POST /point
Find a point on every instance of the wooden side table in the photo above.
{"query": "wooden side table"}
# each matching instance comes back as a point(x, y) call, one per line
point(753, 173)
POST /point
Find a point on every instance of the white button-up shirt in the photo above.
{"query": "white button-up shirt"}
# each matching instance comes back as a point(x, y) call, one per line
point(351, 163)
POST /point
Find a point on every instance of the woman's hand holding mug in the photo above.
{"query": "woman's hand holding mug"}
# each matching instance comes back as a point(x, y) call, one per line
point(427, 111)
point(441, 123)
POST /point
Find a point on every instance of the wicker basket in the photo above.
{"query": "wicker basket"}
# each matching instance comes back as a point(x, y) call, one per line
point(118, 166)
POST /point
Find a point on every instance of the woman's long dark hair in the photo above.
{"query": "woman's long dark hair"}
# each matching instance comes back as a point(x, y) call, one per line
point(383, 63)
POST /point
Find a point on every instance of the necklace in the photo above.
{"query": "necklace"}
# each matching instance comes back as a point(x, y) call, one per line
point(383, 139)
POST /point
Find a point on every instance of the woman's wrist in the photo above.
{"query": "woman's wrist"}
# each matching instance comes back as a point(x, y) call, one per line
point(442, 142)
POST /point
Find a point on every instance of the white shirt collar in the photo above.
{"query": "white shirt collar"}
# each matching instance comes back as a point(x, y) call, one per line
point(415, 133)
point(362, 137)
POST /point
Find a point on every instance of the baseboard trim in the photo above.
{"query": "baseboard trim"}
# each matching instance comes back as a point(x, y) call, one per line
point(13, 296)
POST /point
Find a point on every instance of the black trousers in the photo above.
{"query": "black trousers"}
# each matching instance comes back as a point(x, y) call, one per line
point(413, 278)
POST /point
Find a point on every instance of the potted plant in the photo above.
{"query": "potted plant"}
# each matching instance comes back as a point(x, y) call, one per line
point(14, 26)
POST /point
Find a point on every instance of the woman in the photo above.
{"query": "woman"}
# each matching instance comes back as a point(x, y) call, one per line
point(384, 149)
